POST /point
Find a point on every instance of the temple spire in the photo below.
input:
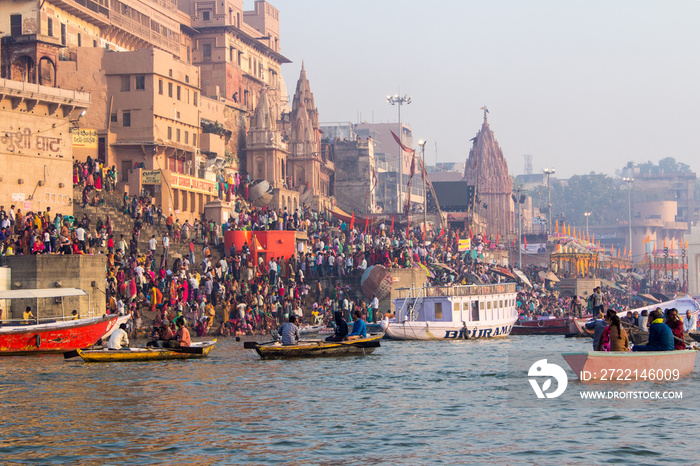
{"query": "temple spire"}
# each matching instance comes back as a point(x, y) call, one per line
point(486, 112)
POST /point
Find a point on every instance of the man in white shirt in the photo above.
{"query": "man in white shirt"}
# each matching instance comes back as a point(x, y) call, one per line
point(80, 235)
point(152, 245)
point(166, 244)
point(118, 338)
point(689, 322)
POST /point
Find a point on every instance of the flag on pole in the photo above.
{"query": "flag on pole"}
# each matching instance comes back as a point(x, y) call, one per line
point(352, 220)
point(366, 225)
point(442, 232)
point(398, 141)
point(646, 240)
point(392, 225)
point(611, 250)
point(498, 235)
point(525, 241)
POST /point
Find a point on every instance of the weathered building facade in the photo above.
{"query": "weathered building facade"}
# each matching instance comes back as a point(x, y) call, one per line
point(36, 145)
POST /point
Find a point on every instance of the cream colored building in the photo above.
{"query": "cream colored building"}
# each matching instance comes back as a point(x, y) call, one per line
point(36, 145)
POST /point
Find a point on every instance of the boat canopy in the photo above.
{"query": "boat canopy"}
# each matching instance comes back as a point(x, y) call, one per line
point(42, 293)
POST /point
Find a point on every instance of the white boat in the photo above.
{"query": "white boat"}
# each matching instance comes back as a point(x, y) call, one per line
point(682, 303)
point(453, 312)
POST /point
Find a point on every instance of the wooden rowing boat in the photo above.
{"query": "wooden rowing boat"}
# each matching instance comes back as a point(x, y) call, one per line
point(311, 349)
point(631, 366)
point(198, 349)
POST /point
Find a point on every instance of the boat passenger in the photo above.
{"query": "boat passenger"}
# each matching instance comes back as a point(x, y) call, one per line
point(660, 334)
point(359, 328)
point(643, 322)
point(614, 337)
point(164, 335)
point(341, 328)
point(597, 325)
point(688, 322)
point(118, 338)
point(676, 324)
point(182, 336)
point(290, 332)
point(27, 316)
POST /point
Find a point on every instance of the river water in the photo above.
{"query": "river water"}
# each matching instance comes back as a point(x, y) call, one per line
point(443, 402)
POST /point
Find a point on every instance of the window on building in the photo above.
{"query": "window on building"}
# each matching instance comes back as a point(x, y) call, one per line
point(140, 83)
point(231, 54)
point(187, 137)
point(195, 98)
point(170, 132)
point(194, 139)
point(170, 89)
point(206, 51)
point(239, 58)
point(188, 54)
point(16, 25)
point(160, 86)
point(80, 40)
point(205, 15)
point(170, 73)
point(178, 92)
point(49, 25)
point(64, 35)
point(126, 83)
point(187, 78)
point(177, 135)
point(126, 119)
point(113, 118)
point(94, 43)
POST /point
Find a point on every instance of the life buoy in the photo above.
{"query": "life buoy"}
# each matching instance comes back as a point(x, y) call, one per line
point(38, 340)
point(540, 323)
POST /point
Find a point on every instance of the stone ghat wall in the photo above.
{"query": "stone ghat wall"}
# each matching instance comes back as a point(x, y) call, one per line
point(59, 271)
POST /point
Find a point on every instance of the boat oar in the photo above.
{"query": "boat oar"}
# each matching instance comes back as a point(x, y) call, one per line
point(255, 344)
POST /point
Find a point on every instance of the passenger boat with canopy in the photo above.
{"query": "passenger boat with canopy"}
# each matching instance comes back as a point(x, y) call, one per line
point(453, 312)
point(51, 334)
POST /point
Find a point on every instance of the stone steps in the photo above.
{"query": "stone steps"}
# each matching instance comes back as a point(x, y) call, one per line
point(123, 224)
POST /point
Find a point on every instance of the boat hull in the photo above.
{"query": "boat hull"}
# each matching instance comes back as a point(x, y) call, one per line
point(320, 349)
point(197, 350)
point(54, 337)
point(631, 366)
point(414, 330)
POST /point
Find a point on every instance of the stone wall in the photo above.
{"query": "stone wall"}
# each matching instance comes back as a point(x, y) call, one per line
point(59, 271)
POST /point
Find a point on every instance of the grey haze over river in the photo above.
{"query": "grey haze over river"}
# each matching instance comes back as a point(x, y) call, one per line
point(443, 402)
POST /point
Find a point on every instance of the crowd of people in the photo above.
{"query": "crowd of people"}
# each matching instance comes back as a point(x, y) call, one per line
point(232, 293)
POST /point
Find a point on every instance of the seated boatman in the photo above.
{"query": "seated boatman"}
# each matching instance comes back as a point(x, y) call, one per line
point(290, 332)
point(118, 338)
point(359, 328)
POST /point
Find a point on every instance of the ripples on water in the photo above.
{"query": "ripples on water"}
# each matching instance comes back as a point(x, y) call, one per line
point(408, 403)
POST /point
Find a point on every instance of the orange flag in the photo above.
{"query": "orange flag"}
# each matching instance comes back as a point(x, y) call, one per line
point(611, 249)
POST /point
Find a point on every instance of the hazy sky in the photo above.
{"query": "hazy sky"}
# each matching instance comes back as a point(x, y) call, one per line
point(581, 85)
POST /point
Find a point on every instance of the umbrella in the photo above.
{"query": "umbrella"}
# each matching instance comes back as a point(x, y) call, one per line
point(447, 269)
point(522, 277)
point(550, 276)
point(425, 269)
point(502, 271)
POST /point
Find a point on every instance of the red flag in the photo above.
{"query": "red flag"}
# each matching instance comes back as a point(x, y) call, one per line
point(366, 225)
point(401, 144)
point(442, 232)
point(424, 235)
point(498, 235)
point(352, 220)
point(471, 235)
point(525, 241)
point(392, 225)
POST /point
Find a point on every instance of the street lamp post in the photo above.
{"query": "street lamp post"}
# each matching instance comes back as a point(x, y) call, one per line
point(421, 144)
point(549, 172)
point(587, 214)
point(398, 101)
point(629, 182)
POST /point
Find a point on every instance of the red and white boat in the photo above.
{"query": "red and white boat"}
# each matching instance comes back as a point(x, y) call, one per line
point(51, 334)
point(631, 366)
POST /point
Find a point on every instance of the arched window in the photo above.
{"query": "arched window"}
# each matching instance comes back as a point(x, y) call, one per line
point(23, 70)
point(47, 72)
